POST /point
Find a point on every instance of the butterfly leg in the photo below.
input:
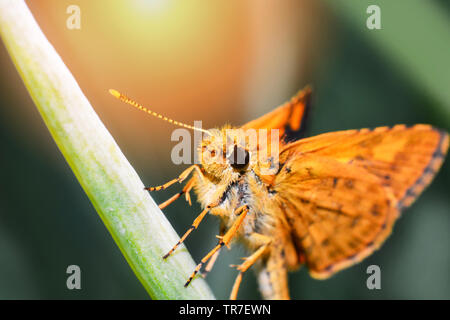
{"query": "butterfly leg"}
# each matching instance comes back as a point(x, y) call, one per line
point(223, 241)
point(179, 179)
point(192, 228)
point(213, 259)
point(187, 188)
point(249, 261)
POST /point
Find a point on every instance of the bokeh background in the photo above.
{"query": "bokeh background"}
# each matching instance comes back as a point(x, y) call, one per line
point(219, 61)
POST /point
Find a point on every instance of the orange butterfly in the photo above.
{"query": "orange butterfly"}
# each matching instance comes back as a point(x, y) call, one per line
point(331, 202)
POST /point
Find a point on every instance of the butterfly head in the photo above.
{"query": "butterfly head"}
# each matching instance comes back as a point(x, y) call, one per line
point(225, 153)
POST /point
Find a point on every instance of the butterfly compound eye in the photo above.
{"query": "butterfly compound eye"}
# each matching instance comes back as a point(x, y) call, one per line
point(239, 158)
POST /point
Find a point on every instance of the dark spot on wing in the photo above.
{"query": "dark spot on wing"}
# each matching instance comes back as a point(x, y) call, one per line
point(375, 210)
point(335, 180)
point(291, 135)
point(349, 184)
point(328, 269)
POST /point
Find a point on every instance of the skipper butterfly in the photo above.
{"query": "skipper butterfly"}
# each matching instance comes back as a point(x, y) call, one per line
point(332, 200)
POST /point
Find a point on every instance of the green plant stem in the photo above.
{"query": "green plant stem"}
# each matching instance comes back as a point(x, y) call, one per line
point(135, 222)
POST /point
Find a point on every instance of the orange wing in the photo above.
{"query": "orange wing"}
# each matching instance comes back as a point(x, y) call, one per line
point(342, 191)
point(288, 118)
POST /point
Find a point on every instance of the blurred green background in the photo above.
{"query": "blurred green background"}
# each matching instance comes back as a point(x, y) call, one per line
point(220, 62)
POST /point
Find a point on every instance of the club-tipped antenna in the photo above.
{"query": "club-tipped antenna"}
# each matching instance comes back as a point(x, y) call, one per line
point(125, 99)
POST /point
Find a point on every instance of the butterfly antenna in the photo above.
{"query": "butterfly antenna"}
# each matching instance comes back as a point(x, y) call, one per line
point(125, 99)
